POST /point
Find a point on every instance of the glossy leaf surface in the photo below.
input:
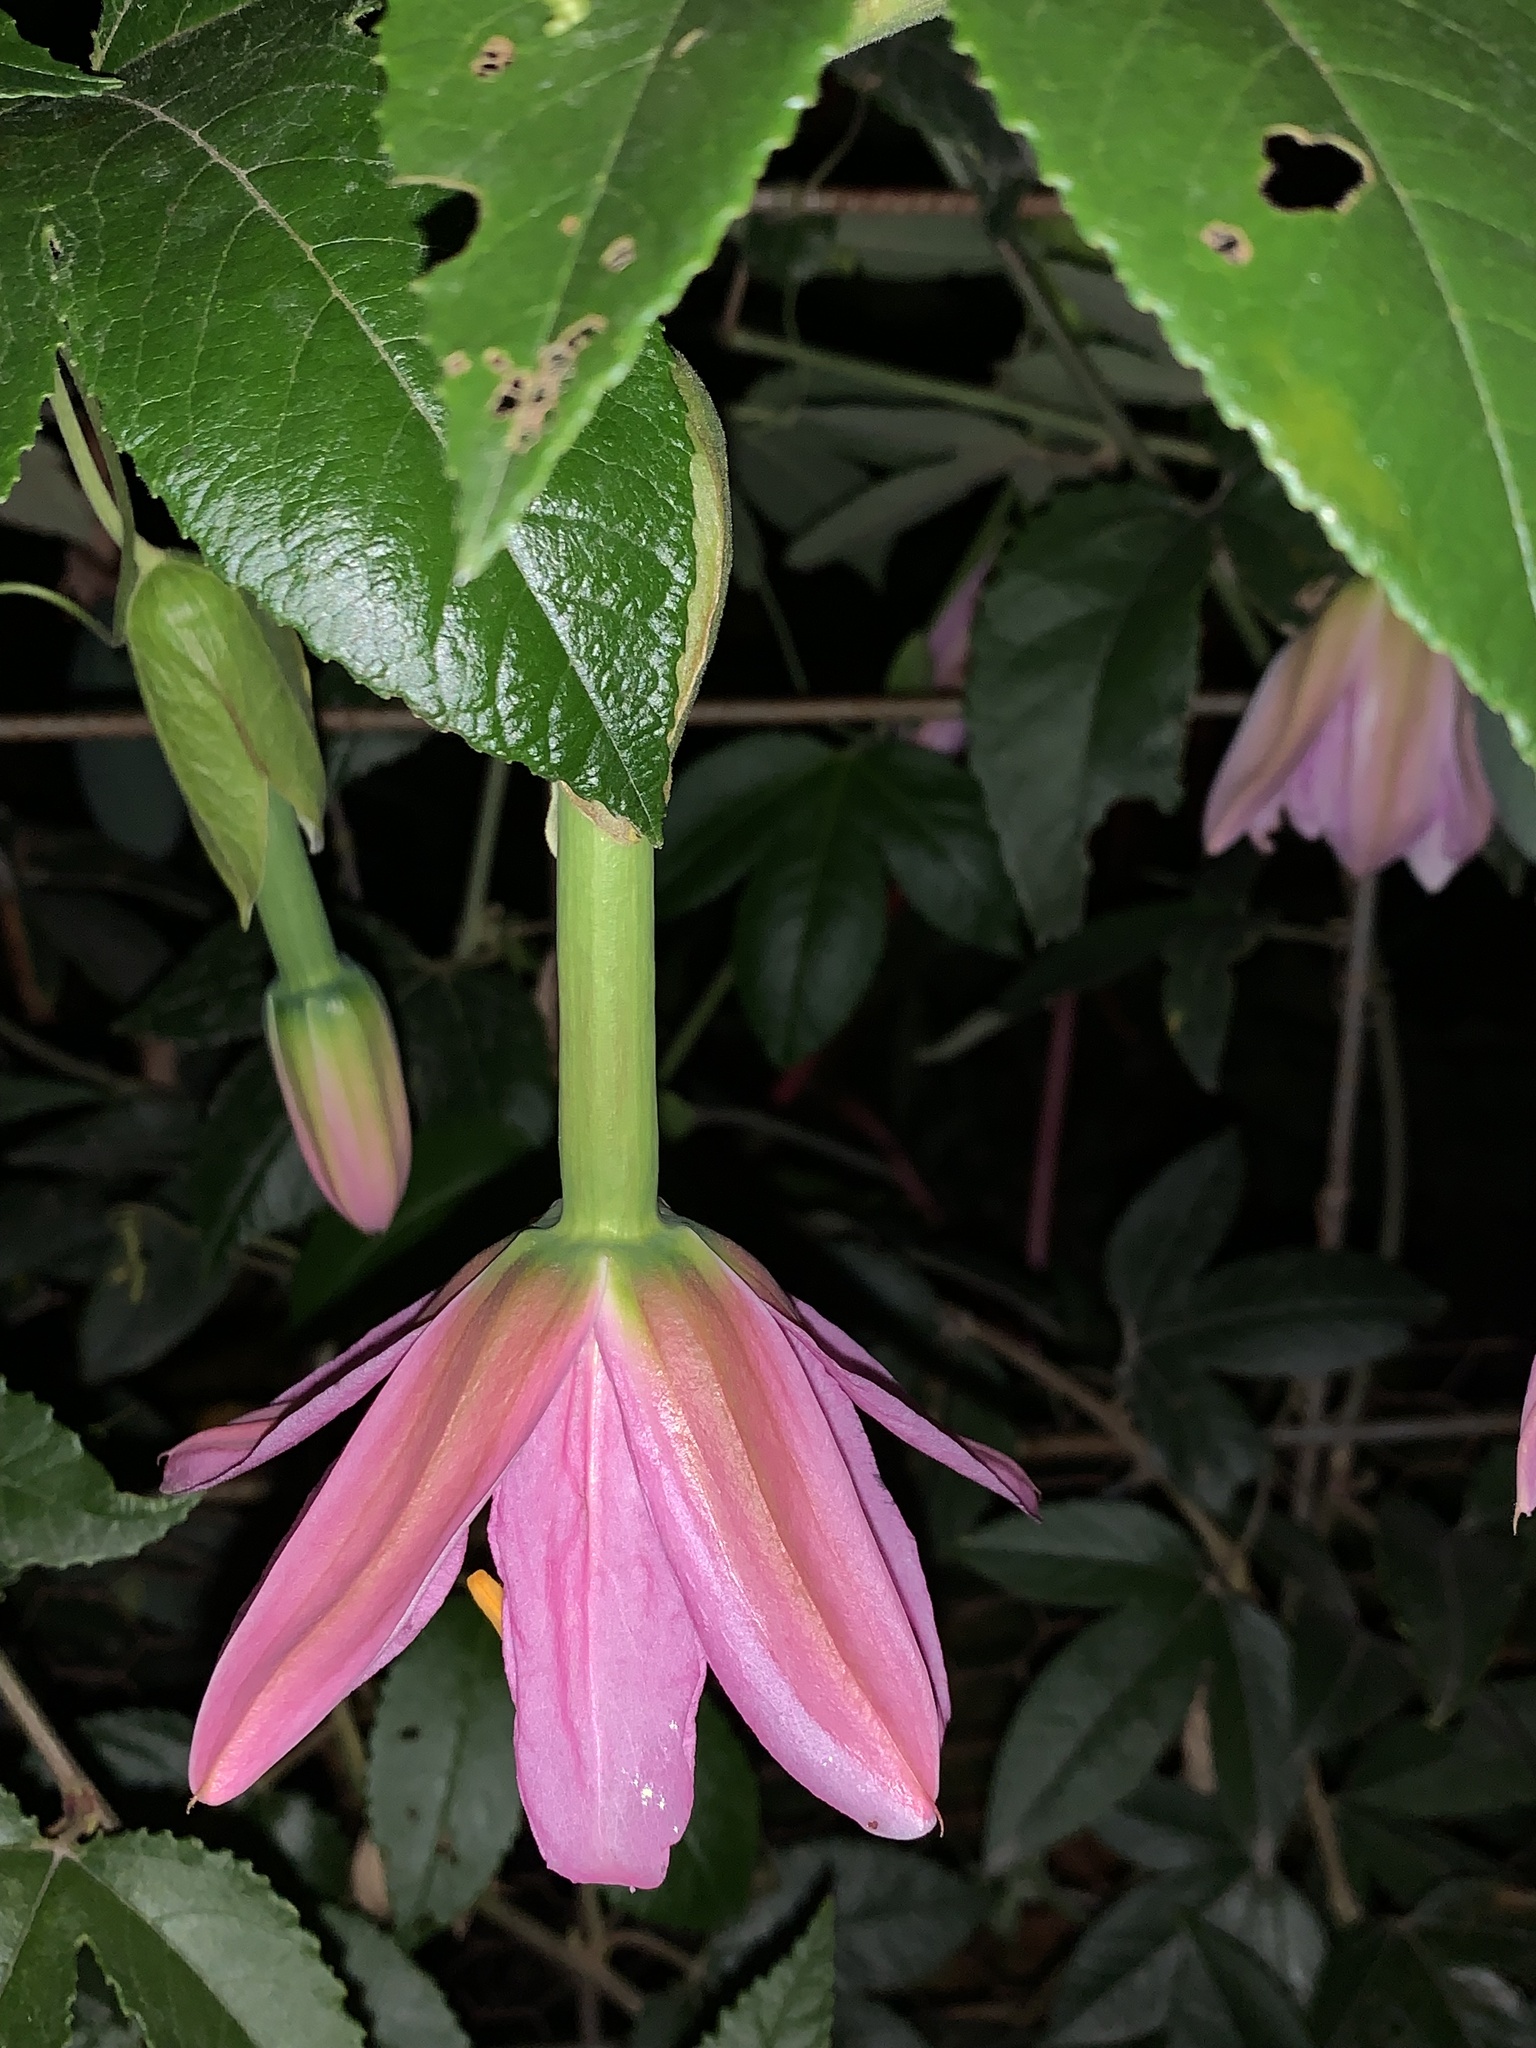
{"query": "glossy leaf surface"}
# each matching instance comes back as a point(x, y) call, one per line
point(608, 154)
point(57, 1505)
point(242, 311)
point(1321, 327)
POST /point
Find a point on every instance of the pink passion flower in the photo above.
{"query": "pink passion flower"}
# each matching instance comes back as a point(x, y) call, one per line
point(1525, 1455)
point(1362, 736)
point(677, 1478)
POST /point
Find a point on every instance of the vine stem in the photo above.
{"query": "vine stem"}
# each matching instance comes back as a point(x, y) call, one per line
point(66, 1063)
point(86, 1812)
point(1340, 1893)
point(1046, 1166)
point(61, 603)
point(571, 1956)
point(477, 883)
point(1224, 1553)
point(1333, 1197)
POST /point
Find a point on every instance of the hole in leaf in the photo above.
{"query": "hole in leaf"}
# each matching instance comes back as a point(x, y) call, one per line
point(1313, 173)
point(446, 227)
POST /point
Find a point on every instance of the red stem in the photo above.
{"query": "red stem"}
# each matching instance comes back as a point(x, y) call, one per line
point(1054, 1085)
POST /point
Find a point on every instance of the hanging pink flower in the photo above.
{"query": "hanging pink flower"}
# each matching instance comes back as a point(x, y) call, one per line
point(677, 1477)
point(1525, 1454)
point(1362, 736)
point(949, 656)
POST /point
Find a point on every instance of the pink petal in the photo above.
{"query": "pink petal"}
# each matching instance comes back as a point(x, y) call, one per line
point(870, 1387)
point(1525, 1455)
point(897, 1544)
point(364, 1562)
point(603, 1662)
point(230, 1448)
point(780, 1569)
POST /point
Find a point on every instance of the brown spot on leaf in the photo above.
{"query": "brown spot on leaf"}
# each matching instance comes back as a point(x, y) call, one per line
point(493, 57)
point(1229, 243)
point(570, 224)
point(1313, 173)
point(619, 254)
point(525, 398)
point(685, 43)
point(458, 364)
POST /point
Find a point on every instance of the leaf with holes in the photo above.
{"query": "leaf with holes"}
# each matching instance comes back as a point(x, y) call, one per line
point(608, 152)
point(1328, 208)
point(57, 1505)
point(442, 1790)
point(1080, 681)
point(237, 296)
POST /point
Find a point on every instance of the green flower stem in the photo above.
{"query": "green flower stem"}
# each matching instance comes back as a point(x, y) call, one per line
point(289, 906)
point(605, 923)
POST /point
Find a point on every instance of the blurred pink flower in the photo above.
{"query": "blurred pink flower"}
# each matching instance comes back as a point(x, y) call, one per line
point(334, 1053)
point(676, 1476)
point(1362, 736)
point(949, 655)
point(1525, 1455)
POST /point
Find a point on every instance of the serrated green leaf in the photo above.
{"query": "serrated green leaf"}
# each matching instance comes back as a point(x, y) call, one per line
point(1084, 1553)
point(157, 1285)
point(724, 811)
point(900, 1915)
point(790, 2006)
point(25, 1095)
point(1225, 1997)
point(37, 1952)
point(211, 997)
point(404, 2006)
point(1302, 319)
point(57, 1505)
point(199, 1948)
point(709, 1874)
point(1301, 1313)
point(243, 310)
point(1452, 1592)
point(1252, 1709)
point(1119, 1978)
point(1094, 1723)
point(248, 1176)
point(442, 1787)
point(1173, 1229)
point(811, 925)
point(939, 844)
point(1083, 666)
point(641, 131)
point(26, 72)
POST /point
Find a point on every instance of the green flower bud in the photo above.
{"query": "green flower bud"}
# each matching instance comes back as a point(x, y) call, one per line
point(227, 694)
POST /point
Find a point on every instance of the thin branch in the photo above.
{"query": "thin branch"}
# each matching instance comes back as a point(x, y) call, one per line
point(570, 1956)
point(66, 1063)
point(61, 603)
point(1070, 426)
point(38, 727)
point(1065, 1445)
point(694, 1025)
point(1342, 1903)
point(477, 883)
point(86, 1812)
point(1049, 1128)
point(1333, 1198)
point(1113, 1420)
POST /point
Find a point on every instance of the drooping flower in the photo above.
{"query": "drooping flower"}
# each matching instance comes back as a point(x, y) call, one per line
point(334, 1052)
point(677, 1477)
point(1362, 736)
point(949, 655)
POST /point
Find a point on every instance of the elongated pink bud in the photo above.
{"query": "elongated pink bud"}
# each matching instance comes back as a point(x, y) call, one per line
point(338, 1066)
